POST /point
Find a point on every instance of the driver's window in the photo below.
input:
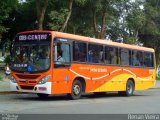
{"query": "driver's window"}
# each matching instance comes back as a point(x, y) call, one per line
point(62, 54)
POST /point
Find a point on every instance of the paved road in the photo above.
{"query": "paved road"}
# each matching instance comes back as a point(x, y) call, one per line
point(142, 102)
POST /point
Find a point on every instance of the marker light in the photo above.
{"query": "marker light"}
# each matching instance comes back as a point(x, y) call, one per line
point(42, 88)
point(44, 80)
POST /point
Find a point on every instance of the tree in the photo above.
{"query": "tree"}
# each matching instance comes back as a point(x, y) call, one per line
point(59, 17)
point(102, 11)
point(6, 6)
point(100, 29)
point(68, 16)
point(135, 21)
point(117, 27)
point(41, 6)
point(81, 19)
point(128, 20)
point(150, 34)
point(92, 18)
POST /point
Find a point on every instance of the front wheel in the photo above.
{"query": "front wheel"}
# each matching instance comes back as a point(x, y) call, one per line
point(76, 91)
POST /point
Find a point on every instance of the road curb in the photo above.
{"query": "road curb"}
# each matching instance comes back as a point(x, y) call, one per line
point(9, 92)
point(156, 88)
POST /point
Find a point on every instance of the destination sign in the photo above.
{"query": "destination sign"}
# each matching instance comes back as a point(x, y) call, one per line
point(33, 37)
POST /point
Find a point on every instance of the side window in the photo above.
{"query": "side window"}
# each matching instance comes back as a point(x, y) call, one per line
point(148, 60)
point(79, 51)
point(125, 56)
point(95, 53)
point(62, 53)
point(140, 58)
point(111, 55)
point(137, 58)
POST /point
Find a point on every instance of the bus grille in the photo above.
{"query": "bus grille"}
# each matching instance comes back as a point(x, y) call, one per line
point(27, 76)
point(27, 87)
point(25, 82)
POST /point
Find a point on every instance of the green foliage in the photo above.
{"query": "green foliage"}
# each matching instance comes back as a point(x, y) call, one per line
point(157, 78)
point(57, 19)
point(151, 31)
point(2, 29)
point(80, 21)
point(1, 78)
point(136, 19)
point(152, 13)
point(7, 59)
point(81, 2)
point(6, 6)
point(131, 40)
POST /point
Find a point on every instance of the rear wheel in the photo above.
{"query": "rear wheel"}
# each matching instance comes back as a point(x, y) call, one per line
point(41, 95)
point(76, 91)
point(129, 89)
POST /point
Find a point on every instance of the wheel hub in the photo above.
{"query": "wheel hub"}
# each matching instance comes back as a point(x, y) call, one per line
point(76, 89)
point(129, 88)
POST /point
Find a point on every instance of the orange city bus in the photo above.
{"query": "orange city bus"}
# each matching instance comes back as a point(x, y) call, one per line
point(50, 62)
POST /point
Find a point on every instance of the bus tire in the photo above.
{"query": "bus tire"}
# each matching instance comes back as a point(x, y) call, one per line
point(41, 95)
point(76, 90)
point(129, 88)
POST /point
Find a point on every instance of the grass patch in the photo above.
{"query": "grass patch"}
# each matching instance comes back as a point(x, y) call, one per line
point(157, 78)
point(2, 63)
point(1, 75)
point(1, 78)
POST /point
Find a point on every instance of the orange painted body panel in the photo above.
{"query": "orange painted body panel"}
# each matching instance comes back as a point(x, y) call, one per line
point(97, 75)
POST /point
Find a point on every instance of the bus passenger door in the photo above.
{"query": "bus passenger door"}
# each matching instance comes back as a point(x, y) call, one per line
point(62, 61)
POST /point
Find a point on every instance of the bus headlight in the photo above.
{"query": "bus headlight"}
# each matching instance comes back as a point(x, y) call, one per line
point(12, 79)
point(44, 80)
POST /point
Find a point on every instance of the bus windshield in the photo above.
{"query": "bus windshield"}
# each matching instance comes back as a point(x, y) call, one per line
point(31, 58)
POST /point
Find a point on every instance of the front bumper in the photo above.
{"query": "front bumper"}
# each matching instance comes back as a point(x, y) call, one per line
point(37, 88)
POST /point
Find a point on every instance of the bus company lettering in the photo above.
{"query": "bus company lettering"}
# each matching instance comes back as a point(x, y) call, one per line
point(98, 70)
point(84, 68)
point(94, 69)
point(33, 37)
